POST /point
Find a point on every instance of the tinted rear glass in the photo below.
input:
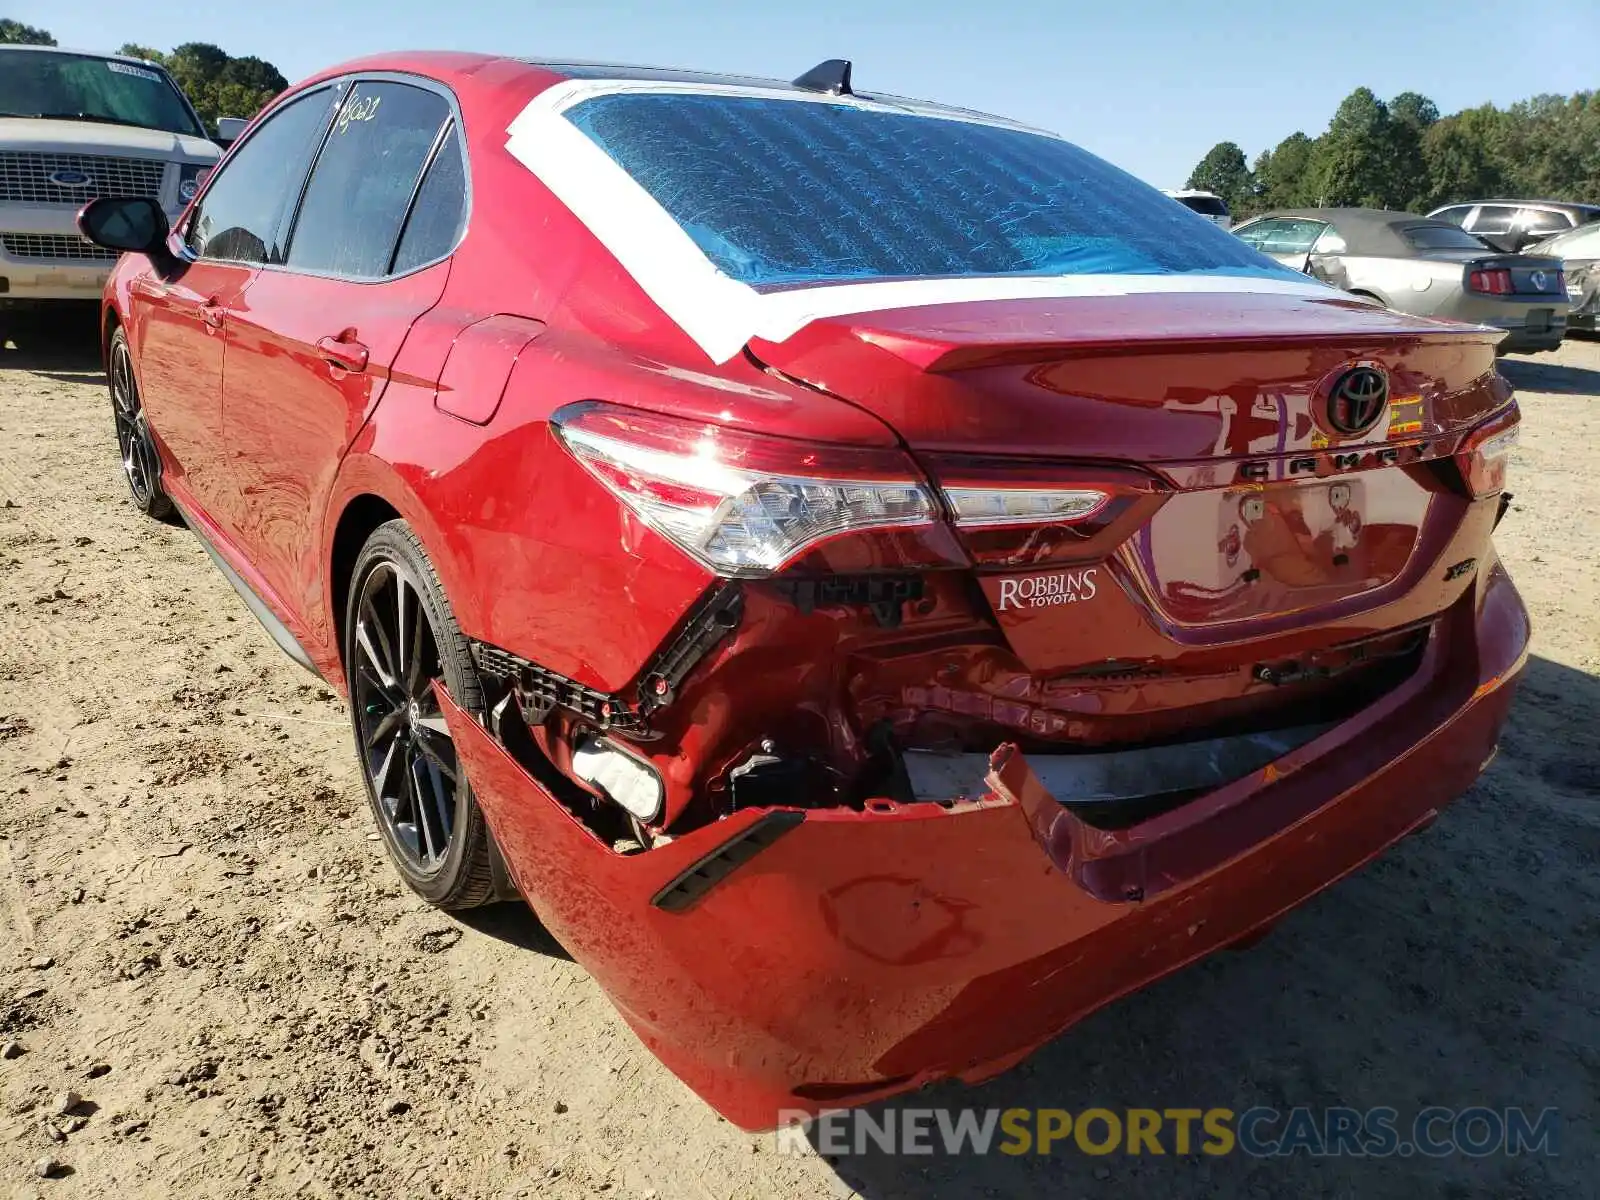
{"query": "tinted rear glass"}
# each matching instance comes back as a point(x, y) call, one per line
point(1440, 237)
point(782, 192)
point(1211, 206)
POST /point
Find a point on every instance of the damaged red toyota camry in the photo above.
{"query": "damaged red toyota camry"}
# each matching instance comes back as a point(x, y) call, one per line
point(877, 580)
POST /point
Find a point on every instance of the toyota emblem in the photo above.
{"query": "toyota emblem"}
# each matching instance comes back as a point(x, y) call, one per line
point(1357, 399)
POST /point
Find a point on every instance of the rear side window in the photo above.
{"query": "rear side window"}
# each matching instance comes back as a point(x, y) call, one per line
point(1456, 215)
point(1544, 221)
point(240, 216)
point(439, 216)
point(1494, 218)
point(365, 177)
point(1440, 237)
point(789, 192)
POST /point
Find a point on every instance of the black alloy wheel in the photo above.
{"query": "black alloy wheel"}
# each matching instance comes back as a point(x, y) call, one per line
point(141, 465)
point(401, 640)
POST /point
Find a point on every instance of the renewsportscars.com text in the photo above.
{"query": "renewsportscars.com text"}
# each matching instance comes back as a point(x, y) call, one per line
point(1434, 1132)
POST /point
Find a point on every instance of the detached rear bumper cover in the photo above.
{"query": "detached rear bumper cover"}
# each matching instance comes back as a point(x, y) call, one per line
point(863, 953)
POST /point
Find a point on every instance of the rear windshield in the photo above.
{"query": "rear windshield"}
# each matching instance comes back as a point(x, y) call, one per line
point(1441, 237)
point(81, 87)
point(1211, 206)
point(785, 192)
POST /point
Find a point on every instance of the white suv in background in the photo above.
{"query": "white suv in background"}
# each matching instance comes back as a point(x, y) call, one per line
point(1208, 204)
point(74, 126)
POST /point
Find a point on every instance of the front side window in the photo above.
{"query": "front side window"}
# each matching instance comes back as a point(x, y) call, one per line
point(1291, 235)
point(83, 87)
point(239, 218)
point(1329, 242)
point(780, 192)
point(362, 185)
point(1256, 232)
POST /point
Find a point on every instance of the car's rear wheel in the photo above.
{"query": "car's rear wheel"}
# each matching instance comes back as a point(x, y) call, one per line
point(141, 465)
point(401, 639)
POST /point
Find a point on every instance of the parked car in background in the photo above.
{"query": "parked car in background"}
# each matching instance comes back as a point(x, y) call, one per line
point(1208, 204)
point(874, 623)
point(74, 126)
point(1417, 265)
point(1511, 225)
point(1579, 251)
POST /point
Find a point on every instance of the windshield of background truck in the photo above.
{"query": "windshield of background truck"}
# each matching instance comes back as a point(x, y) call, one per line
point(81, 87)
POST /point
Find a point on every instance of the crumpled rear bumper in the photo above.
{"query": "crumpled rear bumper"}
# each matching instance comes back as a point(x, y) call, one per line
point(858, 954)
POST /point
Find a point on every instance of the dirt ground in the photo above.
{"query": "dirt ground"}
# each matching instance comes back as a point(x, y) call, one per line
point(203, 940)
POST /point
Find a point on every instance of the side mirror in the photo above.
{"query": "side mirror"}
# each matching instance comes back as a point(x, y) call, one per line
point(130, 223)
point(229, 129)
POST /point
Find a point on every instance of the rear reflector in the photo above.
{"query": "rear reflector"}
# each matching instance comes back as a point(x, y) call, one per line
point(1011, 513)
point(985, 507)
point(1483, 455)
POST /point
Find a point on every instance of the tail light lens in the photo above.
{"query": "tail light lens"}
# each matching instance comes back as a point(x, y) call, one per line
point(743, 504)
point(1482, 456)
point(1495, 282)
point(1015, 515)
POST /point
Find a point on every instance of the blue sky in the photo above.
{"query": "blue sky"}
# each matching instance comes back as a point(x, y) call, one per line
point(1149, 84)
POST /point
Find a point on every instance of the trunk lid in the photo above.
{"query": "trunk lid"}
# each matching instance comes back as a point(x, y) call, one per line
point(1269, 517)
point(1531, 275)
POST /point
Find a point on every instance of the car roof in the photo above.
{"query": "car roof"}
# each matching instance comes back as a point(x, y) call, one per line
point(457, 67)
point(1368, 230)
point(1578, 205)
point(79, 53)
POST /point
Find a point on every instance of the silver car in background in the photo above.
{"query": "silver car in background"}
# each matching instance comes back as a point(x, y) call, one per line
point(1416, 265)
point(1579, 251)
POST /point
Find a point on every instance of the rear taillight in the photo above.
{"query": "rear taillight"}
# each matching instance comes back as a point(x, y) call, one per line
point(1482, 456)
point(1494, 282)
point(745, 504)
point(1018, 515)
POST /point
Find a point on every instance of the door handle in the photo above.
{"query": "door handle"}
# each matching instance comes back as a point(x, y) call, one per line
point(342, 353)
point(211, 313)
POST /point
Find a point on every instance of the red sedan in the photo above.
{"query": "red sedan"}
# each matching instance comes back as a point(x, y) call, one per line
point(877, 580)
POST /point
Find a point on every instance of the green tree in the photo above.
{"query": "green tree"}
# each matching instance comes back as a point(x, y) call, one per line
point(1224, 171)
point(1405, 155)
point(1352, 164)
point(1283, 174)
point(1461, 155)
point(1410, 117)
point(217, 84)
point(16, 33)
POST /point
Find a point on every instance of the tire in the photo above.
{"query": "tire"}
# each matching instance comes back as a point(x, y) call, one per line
point(418, 792)
point(141, 464)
